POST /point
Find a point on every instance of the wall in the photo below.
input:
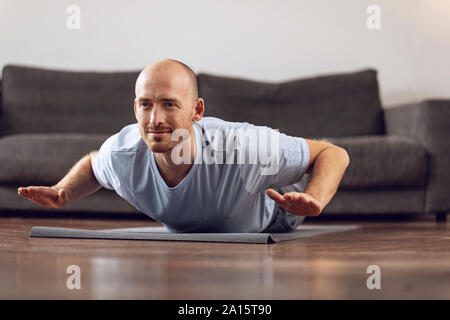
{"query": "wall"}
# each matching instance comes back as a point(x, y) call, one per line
point(258, 39)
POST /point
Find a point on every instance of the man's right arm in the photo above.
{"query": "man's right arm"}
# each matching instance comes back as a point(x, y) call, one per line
point(77, 183)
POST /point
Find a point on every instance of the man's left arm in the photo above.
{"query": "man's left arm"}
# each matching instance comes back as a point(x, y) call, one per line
point(327, 165)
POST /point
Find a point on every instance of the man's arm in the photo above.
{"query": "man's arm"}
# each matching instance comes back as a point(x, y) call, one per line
point(327, 164)
point(78, 182)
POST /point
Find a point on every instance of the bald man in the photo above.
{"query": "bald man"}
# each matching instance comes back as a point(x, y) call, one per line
point(142, 164)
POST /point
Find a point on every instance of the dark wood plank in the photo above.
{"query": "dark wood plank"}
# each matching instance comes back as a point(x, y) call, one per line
point(413, 256)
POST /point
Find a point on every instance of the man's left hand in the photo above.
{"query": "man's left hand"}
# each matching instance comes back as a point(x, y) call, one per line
point(298, 203)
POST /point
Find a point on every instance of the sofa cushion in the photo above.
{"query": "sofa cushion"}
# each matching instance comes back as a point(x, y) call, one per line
point(46, 101)
point(383, 161)
point(42, 158)
point(337, 105)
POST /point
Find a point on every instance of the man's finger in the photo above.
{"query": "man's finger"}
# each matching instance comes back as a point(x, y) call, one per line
point(40, 190)
point(45, 192)
point(289, 196)
point(23, 192)
point(42, 201)
point(275, 196)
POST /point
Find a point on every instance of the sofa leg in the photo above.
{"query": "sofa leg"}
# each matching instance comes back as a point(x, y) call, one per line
point(441, 216)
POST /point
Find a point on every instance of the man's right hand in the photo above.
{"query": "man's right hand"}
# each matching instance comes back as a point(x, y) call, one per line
point(45, 196)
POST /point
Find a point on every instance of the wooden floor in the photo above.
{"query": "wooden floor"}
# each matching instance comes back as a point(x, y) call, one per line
point(413, 256)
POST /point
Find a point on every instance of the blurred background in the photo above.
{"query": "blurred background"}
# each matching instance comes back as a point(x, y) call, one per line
point(264, 40)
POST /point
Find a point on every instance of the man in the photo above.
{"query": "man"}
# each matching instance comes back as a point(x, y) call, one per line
point(141, 163)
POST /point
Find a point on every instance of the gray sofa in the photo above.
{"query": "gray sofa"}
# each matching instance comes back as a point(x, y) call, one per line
point(400, 156)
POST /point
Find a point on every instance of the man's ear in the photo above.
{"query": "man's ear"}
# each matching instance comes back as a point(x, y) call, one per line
point(199, 109)
point(135, 114)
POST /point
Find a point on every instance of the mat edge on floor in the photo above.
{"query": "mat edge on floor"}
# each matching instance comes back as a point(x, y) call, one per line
point(50, 232)
point(263, 238)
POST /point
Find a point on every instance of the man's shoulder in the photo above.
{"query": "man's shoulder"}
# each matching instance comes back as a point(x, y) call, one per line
point(128, 139)
point(213, 123)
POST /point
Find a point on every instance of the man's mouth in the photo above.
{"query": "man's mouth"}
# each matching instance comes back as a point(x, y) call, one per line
point(159, 132)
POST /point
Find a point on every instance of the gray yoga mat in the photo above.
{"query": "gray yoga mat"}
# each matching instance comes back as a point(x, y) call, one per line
point(162, 233)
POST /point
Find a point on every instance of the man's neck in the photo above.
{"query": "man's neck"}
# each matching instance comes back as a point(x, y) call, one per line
point(174, 173)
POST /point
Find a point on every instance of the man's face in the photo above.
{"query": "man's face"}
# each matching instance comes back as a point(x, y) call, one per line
point(164, 102)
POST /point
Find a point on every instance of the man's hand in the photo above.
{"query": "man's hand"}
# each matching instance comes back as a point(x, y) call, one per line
point(300, 204)
point(45, 196)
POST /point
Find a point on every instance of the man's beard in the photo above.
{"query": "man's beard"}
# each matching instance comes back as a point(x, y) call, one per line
point(161, 146)
point(158, 145)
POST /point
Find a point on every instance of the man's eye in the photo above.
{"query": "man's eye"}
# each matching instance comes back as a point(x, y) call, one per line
point(170, 104)
point(145, 104)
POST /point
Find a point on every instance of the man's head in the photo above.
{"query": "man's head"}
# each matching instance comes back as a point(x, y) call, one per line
point(166, 100)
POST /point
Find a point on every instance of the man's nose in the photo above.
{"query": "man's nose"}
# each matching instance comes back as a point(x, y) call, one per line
point(156, 116)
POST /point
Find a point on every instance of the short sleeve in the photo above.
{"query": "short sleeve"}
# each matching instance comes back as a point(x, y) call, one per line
point(102, 167)
point(282, 160)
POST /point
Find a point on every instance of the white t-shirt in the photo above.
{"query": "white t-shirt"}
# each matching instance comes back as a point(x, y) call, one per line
point(227, 195)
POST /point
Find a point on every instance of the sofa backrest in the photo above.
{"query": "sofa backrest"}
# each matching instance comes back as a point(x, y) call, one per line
point(36, 100)
point(336, 105)
point(46, 101)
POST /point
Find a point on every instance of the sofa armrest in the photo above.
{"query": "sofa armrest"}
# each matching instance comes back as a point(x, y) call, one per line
point(427, 122)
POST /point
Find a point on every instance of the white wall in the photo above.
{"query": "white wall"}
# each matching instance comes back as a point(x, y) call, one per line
point(258, 39)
